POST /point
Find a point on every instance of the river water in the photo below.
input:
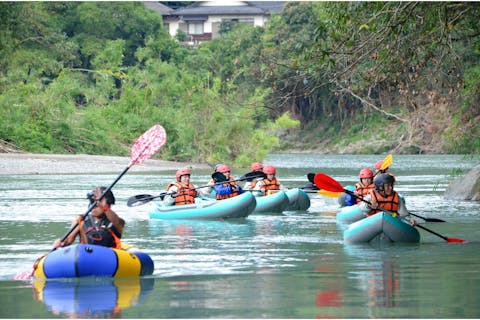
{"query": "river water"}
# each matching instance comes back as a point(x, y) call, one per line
point(290, 265)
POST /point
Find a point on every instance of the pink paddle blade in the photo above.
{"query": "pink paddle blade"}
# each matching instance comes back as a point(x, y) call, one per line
point(326, 182)
point(25, 275)
point(147, 144)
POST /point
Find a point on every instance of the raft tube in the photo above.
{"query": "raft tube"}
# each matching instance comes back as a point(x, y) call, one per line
point(276, 202)
point(298, 200)
point(89, 260)
point(236, 207)
point(380, 227)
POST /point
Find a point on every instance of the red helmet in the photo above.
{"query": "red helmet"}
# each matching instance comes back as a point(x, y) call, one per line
point(269, 169)
point(182, 172)
point(256, 166)
point(366, 173)
point(378, 165)
point(223, 168)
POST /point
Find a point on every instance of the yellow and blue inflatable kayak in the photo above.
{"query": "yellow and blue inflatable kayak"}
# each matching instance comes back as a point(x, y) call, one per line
point(88, 260)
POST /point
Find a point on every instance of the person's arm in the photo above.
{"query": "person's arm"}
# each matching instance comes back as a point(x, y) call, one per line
point(68, 240)
point(117, 222)
point(223, 189)
point(169, 199)
point(364, 206)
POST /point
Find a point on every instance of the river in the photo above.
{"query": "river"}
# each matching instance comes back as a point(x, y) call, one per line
point(290, 265)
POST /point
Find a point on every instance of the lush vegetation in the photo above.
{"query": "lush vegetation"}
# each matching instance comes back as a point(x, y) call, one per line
point(90, 77)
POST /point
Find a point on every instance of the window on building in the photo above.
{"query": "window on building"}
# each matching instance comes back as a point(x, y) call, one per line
point(195, 27)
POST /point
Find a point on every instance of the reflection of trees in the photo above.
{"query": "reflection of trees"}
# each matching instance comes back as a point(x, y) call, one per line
point(91, 298)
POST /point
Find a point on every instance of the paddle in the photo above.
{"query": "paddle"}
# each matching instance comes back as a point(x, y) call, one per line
point(145, 146)
point(329, 194)
point(387, 162)
point(427, 219)
point(142, 149)
point(326, 182)
point(142, 199)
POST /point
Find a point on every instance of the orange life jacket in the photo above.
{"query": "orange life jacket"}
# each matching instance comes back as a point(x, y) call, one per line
point(185, 193)
point(269, 185)
point(232, 183)
point(389, 203)
point(363, 191)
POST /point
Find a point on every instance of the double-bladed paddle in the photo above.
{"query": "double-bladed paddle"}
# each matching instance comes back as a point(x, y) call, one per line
point(326, 182)
point(220, 178)
point(322, 192)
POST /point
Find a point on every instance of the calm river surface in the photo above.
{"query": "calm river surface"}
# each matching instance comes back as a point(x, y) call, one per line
point(293, 265)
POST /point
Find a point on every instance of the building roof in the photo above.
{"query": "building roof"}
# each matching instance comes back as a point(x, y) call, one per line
point(249, 8)
point(158, 7)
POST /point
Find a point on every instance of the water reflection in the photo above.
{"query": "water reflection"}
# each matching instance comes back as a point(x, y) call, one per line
point(93, 297)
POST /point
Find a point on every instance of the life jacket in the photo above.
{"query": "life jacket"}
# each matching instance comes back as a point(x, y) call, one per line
point(389, 203)
point(363, 191)
point(269, 185)
point(185, 193)
point(231, 183)
point(101, 233)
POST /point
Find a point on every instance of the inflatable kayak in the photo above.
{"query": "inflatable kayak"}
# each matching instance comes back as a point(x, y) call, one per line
point(380, 227)
point(272, 203)
point(350, 214)
point(237, 207)
point(298, 200)
point(88, 260)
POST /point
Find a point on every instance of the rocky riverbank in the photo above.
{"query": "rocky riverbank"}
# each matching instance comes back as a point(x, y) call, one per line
point(28, 163)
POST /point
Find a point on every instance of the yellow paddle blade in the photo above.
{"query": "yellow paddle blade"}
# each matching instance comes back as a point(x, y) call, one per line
point(387, 162)
point(329, 194)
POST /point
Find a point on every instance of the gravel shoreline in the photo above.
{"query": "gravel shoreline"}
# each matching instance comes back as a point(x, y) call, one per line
point(30, 163)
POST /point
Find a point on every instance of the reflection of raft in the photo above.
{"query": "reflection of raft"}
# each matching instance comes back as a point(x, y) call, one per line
point(275, 202)
point(380, 227)
point(91, 298)
point(237, 207)
point(298, 200)
point(350, 214)
point(87, 260)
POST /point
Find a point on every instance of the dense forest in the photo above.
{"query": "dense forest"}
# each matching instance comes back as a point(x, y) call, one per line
point(339, 77)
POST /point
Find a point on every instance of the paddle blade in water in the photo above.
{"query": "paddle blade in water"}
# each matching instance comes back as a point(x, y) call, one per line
point(326, 182)
point(148, 143)
point(456, 240)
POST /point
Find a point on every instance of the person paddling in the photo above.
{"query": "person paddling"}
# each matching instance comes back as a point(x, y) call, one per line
point(384, 197)
point(270, 183)
point(255, 167)
point(102, 226)
point(229, 188)
point(181, 191)
point(365, 185)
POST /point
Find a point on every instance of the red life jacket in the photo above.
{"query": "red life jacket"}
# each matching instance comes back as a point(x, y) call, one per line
point(269, 185)
point(389, 203)
point(185, 193)
point(363, 191)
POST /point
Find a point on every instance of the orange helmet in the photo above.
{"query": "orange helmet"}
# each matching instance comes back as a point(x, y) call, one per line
point(223, 168)
point(256, 166)
point(182, 172)
point(269, 169)
point(366, 173)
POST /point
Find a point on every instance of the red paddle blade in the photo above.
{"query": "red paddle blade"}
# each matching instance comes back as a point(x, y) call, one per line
point(455, 240)
point(147, 144)
point(326, 182)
